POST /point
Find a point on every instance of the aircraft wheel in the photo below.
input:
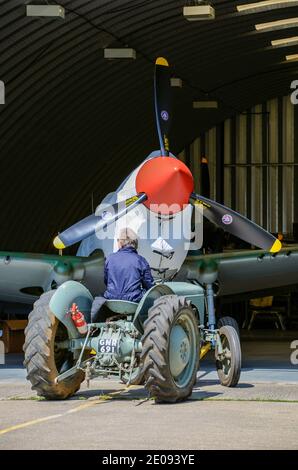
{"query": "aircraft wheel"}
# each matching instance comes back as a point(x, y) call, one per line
point(170, 349)
point(228, 364)
point(44, 359)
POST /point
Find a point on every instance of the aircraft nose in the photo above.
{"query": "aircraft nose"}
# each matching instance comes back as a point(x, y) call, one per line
point(168, 183)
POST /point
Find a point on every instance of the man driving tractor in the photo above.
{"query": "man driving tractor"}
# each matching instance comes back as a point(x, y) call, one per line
point(127, 274)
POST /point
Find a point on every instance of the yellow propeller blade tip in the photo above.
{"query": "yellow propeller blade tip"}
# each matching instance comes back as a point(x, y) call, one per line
point(161, 61)
point(276, 246)
point(58, 244)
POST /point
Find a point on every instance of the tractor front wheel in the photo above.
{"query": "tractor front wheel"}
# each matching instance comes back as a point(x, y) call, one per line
point(228, 361)
point(170, 352)
point(223, 321)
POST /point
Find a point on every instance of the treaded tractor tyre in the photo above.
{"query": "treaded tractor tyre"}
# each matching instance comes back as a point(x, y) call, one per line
point(170, 349)
point(43, 359)
point(228, 364)
point(223, 321)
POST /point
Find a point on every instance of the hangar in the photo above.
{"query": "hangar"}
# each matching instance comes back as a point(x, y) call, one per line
point(76, 121)
point(78, 115)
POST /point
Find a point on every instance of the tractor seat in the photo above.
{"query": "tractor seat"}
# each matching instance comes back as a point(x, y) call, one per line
point(122, 306)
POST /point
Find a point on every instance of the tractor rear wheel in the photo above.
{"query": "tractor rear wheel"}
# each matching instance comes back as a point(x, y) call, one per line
point(44, 359)
point(170, 353)
point(228, 363)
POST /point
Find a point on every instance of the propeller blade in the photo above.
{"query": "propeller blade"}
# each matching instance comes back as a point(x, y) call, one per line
point(162, 102)
point(91, 224)
point(236, 224)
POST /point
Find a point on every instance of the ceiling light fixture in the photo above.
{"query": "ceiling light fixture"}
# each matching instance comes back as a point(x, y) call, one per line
point(120, 53)
point(205, 104)
point(45, 10)
point(292, 57)
point(176, 82)
point(265, 5)
point(292, 41)
point(279, 24)
point(199, 12)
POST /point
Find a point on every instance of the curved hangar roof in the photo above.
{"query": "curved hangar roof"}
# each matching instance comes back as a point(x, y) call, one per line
point(75, 123)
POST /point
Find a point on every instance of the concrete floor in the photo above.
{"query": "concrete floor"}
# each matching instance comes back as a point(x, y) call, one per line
point(261, 413)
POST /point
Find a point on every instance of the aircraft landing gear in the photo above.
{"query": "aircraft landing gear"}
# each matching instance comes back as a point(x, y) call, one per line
point(224, 341)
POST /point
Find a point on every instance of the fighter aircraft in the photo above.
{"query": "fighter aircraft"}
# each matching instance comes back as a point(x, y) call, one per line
point(159, 194)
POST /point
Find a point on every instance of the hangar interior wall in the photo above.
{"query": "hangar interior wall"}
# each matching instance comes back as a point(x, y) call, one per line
point(252, 160)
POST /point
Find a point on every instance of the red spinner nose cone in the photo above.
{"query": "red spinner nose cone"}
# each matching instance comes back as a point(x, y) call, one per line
point(167, 182)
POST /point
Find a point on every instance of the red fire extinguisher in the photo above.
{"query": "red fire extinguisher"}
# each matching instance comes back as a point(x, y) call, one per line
point(78, 319)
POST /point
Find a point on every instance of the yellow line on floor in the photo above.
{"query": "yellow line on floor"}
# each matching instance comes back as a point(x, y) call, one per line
point(97, 401)
point(28, 423)
point(90, 403)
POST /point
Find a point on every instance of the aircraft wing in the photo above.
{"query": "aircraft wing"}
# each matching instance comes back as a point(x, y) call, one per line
point(246, 271)
point(25, 276)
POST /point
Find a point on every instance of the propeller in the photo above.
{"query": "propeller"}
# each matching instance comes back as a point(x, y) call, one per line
point(165, 185)
point(236, 224)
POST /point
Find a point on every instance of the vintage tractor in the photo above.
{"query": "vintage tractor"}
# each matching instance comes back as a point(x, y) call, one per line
point(157, 342)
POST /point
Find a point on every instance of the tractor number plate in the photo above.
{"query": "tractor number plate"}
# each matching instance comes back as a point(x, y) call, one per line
point(107, 346)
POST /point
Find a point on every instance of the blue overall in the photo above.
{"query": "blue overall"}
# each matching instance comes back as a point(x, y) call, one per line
point(127, 276)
